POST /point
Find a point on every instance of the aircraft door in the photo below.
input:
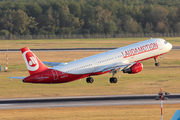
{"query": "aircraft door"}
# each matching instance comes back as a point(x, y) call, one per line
point(55, 74)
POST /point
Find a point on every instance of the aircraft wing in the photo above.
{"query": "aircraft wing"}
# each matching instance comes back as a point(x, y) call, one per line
point(118, 66)
point(54, 63)
point(17, 77)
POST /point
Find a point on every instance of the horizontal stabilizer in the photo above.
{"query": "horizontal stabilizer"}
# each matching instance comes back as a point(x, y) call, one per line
point(17, 77)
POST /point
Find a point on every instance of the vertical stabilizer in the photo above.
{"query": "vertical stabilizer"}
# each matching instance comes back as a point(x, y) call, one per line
point(176, 115)
point(34, 65)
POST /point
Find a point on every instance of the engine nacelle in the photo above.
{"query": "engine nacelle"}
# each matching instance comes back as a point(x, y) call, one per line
point(134, 68)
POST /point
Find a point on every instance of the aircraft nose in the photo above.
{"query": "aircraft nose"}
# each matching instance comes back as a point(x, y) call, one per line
point(170, 46)
point(23, 80)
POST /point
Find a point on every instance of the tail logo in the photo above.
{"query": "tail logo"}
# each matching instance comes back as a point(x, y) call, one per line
point(31, 61)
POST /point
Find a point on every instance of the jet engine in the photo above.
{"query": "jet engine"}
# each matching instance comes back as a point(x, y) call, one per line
point(134, 68)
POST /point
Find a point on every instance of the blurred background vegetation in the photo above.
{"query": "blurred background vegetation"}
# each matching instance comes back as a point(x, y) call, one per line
point(59, 17)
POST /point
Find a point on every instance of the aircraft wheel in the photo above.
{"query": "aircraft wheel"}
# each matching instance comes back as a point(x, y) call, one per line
point(87, 80)
point(91, 80)
point(156, 64)
point(113, 80)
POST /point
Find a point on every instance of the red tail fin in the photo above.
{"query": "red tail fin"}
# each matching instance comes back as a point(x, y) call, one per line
point(34, 65)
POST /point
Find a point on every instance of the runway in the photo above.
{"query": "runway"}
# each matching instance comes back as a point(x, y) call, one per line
point(82, 101)
point(72, 49)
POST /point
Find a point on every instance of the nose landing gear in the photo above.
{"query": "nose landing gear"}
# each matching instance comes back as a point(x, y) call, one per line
point(156, 61)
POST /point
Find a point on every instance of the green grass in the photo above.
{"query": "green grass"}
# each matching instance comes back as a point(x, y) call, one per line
point(77, 43)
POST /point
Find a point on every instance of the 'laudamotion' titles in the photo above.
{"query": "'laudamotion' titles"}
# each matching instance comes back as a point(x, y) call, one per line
point(140, 50)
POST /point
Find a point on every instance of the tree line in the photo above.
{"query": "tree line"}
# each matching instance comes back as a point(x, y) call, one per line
point(54, 17)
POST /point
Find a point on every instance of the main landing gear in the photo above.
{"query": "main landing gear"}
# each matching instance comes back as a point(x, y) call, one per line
point(156, 61)
point(113, 79)
point(89, 80)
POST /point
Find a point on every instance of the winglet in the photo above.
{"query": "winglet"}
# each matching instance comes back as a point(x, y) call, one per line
point(176, 115)
point(34, 65)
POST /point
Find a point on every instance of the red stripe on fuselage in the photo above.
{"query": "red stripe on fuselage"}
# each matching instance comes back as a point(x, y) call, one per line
point(55, 76)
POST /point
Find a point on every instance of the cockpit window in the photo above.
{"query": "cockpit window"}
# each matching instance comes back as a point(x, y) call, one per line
point(165, 42)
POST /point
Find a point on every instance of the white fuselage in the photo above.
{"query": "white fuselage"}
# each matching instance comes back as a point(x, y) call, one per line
point(123, 55)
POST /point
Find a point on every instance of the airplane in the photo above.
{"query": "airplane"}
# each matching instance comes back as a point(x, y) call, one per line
point(127, 59)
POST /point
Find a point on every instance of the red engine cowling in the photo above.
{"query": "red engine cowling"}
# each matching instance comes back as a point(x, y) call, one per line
point(134, 68)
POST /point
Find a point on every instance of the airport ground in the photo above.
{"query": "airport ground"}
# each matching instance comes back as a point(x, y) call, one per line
point(127, 112)
point(150, 80)
point(77, 43)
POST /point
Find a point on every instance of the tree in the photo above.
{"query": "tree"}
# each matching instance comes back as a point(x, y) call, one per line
point(34, 10)
point(177, 27)
point(118, 23)
point(20, 6)
point(110, 27)
point(160, 27)
point(32, 27)
point(6, 21)
point(89, 16)
point(148, 28)
point(15, 22)
point(172, 17)
point(67, 20)
point(65, 30)
point(49, 22)
point(95, 19)
point(20, 22)
point(159, 15)
point(4, 32)
point(95, 3)
point(97, 28)
point(75, 9)
point(131, 26)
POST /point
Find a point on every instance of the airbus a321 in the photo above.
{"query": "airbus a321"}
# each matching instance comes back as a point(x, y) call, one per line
point(127, 59)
